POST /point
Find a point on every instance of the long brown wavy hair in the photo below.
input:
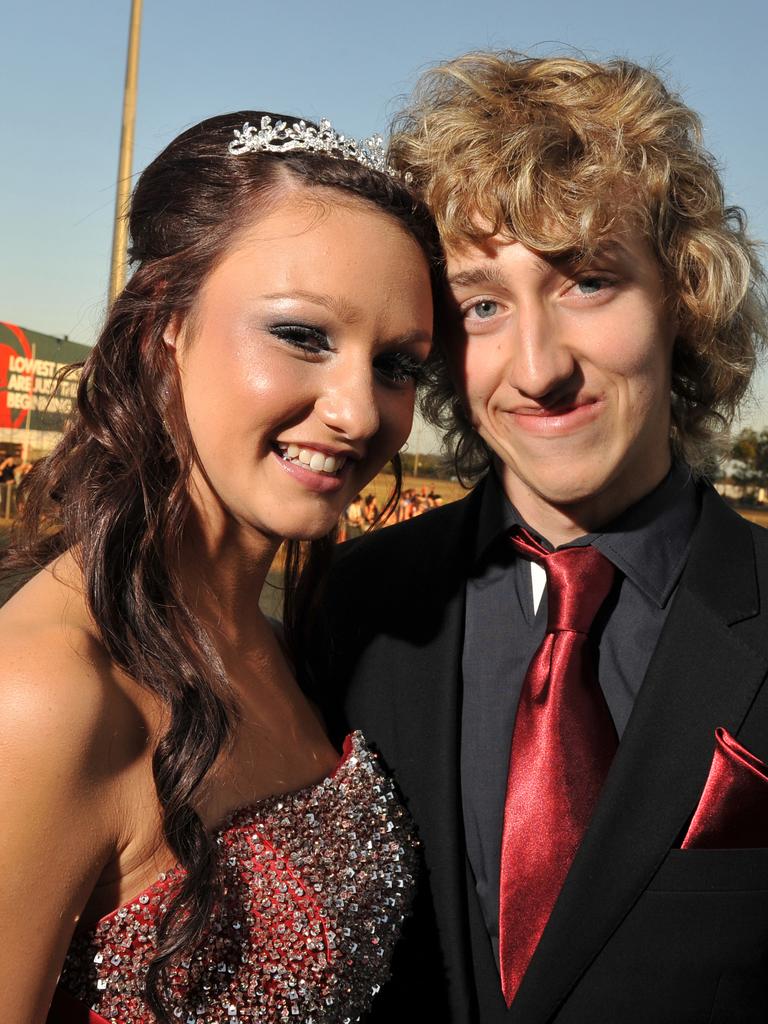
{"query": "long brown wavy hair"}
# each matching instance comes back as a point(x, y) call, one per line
point(115, 490)
point(558, 153)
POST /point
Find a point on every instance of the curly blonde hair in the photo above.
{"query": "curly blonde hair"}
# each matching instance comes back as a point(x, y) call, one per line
point(559, 153)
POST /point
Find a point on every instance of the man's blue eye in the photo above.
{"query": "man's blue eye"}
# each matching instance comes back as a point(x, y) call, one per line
point(485, 309)
point(591, 285)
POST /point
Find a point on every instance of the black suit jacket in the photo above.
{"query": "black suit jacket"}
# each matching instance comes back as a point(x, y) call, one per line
point(642, 931)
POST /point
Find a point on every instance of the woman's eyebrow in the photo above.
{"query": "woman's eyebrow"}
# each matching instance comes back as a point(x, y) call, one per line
point(336, 304)
point(412, 338)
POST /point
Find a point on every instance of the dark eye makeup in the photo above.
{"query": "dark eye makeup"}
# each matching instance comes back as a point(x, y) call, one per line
point(302, 336)
point(391, 367)
point(399, 368)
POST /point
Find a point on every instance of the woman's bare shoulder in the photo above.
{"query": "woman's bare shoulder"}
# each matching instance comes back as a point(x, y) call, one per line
point(71, 729)
point(59, 690)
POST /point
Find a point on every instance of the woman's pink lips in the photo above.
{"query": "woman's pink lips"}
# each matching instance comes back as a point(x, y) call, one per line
point(323, 483)
point(544, 422)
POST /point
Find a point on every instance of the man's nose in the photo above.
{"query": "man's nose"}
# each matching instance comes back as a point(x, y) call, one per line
point(540, 359)
point(348, 403)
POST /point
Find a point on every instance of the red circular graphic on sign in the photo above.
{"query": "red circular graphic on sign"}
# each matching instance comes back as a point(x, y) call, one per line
point(7, 352)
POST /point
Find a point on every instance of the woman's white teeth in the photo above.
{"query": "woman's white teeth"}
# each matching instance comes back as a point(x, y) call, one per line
point(314, 460)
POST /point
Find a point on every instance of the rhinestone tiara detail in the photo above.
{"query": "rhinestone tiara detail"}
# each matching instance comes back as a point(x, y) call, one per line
point(280, 137)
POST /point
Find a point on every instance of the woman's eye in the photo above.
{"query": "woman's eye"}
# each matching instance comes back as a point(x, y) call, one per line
point(399, 368)
point(484, 309)
point(302, 336)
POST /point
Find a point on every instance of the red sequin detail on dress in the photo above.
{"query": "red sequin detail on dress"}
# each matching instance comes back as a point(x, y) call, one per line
point(315, 888)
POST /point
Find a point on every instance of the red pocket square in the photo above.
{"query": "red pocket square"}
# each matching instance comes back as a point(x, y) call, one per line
point(733, 809)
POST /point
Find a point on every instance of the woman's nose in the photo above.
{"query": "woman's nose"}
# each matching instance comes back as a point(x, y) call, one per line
point(348, 404)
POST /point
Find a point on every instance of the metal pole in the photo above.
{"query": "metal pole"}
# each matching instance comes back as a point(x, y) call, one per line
point(120, 233)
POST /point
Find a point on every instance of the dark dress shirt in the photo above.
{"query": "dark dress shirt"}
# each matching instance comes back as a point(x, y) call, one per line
point(649, 546)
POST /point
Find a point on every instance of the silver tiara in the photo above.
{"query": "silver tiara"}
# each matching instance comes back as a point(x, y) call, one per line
point(281, 137)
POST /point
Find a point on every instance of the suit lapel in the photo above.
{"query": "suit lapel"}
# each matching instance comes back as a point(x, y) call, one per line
point(409, 668)
point(428, 723)
point(701, 676)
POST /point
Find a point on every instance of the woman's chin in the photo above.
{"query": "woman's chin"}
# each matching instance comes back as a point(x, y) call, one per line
point(308, 531)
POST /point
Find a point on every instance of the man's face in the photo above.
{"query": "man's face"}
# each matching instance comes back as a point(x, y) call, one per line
point(565, 374)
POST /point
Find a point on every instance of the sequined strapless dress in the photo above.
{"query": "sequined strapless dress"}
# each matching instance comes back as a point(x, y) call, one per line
point(316, 885)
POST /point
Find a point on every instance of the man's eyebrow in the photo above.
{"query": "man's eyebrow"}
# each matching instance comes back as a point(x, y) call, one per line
point(607, 249)
point(472, 276)
point(343, 309)
point(612, 246)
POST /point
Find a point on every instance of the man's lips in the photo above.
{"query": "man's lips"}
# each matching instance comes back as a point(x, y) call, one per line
point(560, 419)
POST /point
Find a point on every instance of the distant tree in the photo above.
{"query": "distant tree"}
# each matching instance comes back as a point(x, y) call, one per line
point(745, 448)
point(749, 453)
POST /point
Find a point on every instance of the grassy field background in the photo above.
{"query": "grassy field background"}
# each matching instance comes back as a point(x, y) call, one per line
point(381, 486)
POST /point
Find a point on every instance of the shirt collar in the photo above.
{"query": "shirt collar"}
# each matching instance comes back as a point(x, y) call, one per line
point(497, 516)
point(648, 542)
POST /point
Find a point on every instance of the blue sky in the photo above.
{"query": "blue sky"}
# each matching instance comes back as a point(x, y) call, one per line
point(63, 66)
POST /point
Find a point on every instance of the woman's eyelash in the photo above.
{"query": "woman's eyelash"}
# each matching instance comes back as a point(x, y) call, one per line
point(395, 367)
point(400, 368)
point(302, 336)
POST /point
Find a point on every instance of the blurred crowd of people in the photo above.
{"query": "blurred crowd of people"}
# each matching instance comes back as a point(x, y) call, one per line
point(13, 469)
point(362, 513)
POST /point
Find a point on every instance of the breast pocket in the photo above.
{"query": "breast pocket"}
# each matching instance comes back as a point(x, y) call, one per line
point(713, 871)
point(701, 923)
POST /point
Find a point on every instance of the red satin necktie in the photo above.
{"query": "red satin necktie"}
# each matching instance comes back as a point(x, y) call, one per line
point(562, 745)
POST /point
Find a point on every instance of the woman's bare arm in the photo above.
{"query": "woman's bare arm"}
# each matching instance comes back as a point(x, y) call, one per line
point(57, 809)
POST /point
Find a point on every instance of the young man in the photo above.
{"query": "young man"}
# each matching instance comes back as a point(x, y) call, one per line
point(572, 694)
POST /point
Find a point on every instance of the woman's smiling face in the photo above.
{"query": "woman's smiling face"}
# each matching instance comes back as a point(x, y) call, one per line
point(298, 363)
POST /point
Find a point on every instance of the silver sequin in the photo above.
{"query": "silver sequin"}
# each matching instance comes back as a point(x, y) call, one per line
point(316, 886)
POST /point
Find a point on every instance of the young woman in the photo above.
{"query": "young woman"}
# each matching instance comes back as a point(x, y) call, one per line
point(258, 369)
